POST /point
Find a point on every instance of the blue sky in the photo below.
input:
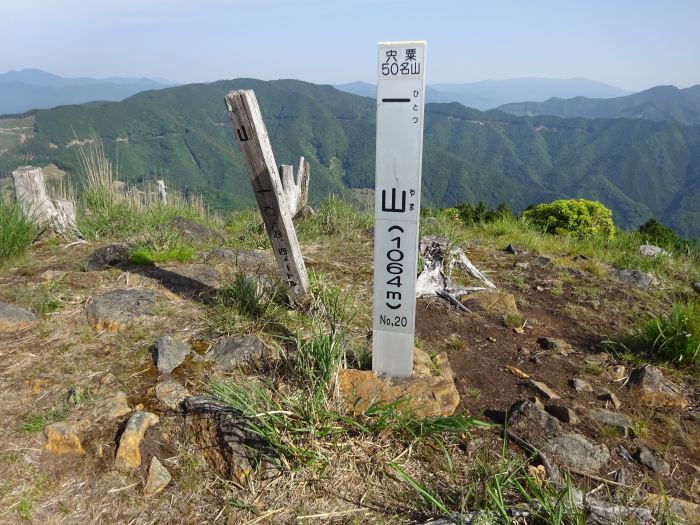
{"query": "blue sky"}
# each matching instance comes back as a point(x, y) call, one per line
point(630, 44)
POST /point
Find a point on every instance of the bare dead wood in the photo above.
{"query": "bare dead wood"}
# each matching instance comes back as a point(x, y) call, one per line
point(252, 137)
point(30, 191)
point(436, 278)
point(161, 191)
point(296, 191)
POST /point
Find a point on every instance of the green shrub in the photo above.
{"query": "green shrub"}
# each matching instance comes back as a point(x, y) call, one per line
point(480, 214)
point(16, 230)
point(580, 217)
point(656, 233)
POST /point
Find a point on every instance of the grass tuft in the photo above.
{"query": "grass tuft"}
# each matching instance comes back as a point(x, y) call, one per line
point(672, 338)
point(17, 231)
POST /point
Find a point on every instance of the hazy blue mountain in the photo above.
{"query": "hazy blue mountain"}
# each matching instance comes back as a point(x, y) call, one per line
point(362, 89)
point(28, 89)
point(657, 103)
point(488, 94)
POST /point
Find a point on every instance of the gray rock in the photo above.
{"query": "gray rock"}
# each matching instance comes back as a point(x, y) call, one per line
point(612, 419)
point(575, 451)
point(581, 385)
point(171, 394)
point(557, 345)
point(696, 287)
point(201, 273)
point(647, 458)
point(170, 353)
point(15, 317)
point(158, 478)
point(110, 256)
point(192, 231)
point(231, 352)
point(117, 309)
point(562, 413)
point(636, 278)
point(624, 454)
point(542, 261)
point(649, 250)
point(652, 388)
point(526, 419)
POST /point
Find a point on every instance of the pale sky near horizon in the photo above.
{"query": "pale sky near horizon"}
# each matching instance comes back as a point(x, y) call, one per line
point(630, 44)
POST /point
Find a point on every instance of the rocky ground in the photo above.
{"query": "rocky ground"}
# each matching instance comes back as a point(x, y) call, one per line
point(108, 418)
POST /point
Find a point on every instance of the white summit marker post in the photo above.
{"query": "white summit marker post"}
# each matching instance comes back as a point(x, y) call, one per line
point(400, 100)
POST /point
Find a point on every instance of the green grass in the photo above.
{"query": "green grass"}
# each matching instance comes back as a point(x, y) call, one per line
point(37, 421)
point(619, 252)
point(292, 422)
point(146, 255)
point(16, 231)
point(318, 356)
point(107, 211)
point(335, 217)
point(673, 337)
point(41, 298)
point(248, 304)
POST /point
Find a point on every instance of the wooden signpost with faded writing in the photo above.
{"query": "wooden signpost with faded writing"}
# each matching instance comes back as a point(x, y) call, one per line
point(400, 101)
point(252, 137)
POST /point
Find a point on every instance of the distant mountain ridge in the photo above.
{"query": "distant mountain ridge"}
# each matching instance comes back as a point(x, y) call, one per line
point(28, 89)
point(488, 94)
point(657, 103)
point(639, 168)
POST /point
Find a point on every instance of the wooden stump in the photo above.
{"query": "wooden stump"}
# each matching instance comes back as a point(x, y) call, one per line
point(30, 190)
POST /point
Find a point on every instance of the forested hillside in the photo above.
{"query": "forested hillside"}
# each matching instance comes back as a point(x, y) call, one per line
point(639, 168)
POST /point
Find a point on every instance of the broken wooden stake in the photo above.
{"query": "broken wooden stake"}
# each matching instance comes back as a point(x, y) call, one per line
point(253, 139)
point(30, 191)
point(296, 191)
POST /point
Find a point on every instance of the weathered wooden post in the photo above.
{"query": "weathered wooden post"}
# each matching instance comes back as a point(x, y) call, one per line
point(30, 191)
point(253, 139)
point(297, 192)
point(400, 101)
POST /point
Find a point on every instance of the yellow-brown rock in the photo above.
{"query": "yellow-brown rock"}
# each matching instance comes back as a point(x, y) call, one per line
point(430, 392)
point(490, 301)
point(62, 439)
point(128, 453)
